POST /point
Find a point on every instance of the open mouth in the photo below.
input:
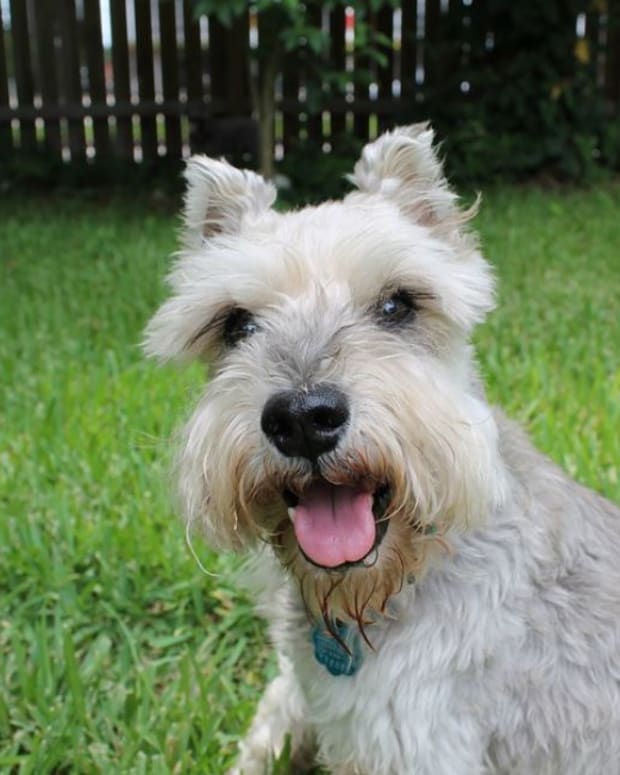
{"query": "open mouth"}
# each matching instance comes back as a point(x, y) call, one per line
point(339, 527)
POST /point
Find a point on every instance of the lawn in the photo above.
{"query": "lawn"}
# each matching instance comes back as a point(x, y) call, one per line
point(117, 654)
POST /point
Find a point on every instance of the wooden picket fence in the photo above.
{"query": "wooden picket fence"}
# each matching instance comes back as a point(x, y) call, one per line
point(143, 79)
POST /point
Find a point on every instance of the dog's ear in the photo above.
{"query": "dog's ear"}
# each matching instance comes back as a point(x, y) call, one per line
point(404, 167)
point(218, 196)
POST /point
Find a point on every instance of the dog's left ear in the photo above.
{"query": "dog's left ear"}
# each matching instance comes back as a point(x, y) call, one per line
point(404, 167)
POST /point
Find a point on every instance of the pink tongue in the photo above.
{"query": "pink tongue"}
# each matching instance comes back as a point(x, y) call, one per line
point(335, 524)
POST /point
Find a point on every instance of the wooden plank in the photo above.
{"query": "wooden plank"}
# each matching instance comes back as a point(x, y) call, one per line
point(146, 77)
point(385, 73)
point(432, 41)
point(361, 117)
point(170, 74)
point(593, 48)
point(478, 59)
point(6, 135)
point(238, 65)
point(408, 54)
point(228, 63)
point(192, 53)
point(314, 121)
point(290, 91)
point(218, 50)
point(22, 61)
point(96, 74)
point(151, 108)
point(48, 83)
point(612, 68)
point(338, 56)
point(193, 67)
point(453, 54)
point(71, 87)
point(120, 68)
point(268, 30)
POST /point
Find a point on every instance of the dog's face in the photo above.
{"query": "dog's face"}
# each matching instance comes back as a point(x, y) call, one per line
point(343, 421)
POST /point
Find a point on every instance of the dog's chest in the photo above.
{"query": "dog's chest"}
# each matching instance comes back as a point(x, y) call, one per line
point(412, 686)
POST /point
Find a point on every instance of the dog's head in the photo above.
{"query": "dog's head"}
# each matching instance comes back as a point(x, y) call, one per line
point(343, 421)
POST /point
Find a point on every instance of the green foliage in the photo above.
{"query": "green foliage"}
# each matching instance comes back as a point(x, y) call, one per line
point(314, 175)
point(290, 31)
point(116, 654)
point(533, 104)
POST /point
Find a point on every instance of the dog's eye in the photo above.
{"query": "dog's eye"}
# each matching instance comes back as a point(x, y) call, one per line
point(239, 324)
point(396, 309)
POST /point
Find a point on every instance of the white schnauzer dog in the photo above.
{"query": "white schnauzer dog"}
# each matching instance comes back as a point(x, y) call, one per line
point(442, 598)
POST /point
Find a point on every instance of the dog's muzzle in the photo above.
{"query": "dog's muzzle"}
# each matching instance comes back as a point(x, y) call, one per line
point(306, 423)
point(336, 526)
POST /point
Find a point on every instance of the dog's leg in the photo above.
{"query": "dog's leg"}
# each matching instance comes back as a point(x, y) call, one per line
point(280, 714)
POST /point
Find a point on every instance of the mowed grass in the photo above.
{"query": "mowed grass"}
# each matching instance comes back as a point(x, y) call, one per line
point(117, 654)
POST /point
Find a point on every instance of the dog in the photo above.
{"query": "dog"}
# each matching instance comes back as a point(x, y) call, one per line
point(443, 599)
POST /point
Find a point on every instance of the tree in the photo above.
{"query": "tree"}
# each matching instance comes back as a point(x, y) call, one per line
point(287, 27)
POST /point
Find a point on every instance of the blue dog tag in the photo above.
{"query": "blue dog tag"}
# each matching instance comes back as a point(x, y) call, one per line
point(329, 651)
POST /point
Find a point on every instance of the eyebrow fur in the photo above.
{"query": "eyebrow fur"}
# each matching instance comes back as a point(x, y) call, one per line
point(215, 322)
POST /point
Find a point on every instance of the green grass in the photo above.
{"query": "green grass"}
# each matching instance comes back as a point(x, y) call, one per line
point(116, 653)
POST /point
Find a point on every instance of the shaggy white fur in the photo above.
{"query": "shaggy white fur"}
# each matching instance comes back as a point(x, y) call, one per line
point(487, 612)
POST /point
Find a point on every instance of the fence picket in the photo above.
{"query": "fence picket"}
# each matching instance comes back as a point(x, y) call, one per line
point(408, 50)
point(48, 82)
point(71, 86)
point(228, 65)
point(612, 68)
point(96, 74)
point(432, 41)
point(170, 74)
point(120, 69)
point(314, 123)
point(146, 77)
point(385, 73)
point(193, 59)
point(6, 134)
point(205, 90)
point(22, 61)
point(290, 93)
point(338, 57)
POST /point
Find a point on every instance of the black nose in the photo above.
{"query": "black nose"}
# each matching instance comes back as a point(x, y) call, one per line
point(305, 423)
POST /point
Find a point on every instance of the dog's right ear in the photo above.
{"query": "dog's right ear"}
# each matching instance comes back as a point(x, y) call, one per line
point(218, 197)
